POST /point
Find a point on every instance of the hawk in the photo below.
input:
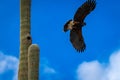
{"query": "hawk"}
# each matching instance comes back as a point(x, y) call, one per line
point(75, 25)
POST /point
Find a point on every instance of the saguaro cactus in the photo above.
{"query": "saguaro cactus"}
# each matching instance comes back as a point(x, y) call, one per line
point(32, 67)
point(33, 62)
point(25, 38)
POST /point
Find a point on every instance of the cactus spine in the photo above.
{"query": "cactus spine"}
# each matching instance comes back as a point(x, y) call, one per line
point(33, 62)
point(25, 40)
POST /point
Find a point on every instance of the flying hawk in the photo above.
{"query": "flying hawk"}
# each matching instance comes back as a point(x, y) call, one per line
point(75, 25)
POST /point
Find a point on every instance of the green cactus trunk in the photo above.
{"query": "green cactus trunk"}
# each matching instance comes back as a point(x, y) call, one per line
point(29, 53)
point(25, 38)
point(33, 62)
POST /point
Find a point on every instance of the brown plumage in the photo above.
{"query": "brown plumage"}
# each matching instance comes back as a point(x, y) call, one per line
point(75, 25)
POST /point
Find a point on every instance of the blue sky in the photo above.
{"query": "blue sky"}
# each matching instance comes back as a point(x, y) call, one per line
point(58, 59)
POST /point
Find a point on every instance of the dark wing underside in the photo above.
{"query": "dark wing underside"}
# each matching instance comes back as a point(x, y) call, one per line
point(84, 10)
point(77, 40)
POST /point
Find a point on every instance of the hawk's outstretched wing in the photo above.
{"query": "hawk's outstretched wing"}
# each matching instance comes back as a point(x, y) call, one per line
point(77, 40)
point(84, 10)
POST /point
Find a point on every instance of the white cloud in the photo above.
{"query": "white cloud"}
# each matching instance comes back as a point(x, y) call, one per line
point(8, 62)
point(97, 71)
point(114, 67)
point(89, 71)
point(46, 68)
point(47, 72)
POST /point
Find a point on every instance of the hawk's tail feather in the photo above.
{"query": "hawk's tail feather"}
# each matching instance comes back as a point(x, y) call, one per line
point(82, 49)
point(81, 46)
point(77, 40)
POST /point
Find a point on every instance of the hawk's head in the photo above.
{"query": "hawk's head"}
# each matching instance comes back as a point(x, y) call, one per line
point(68, 25)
